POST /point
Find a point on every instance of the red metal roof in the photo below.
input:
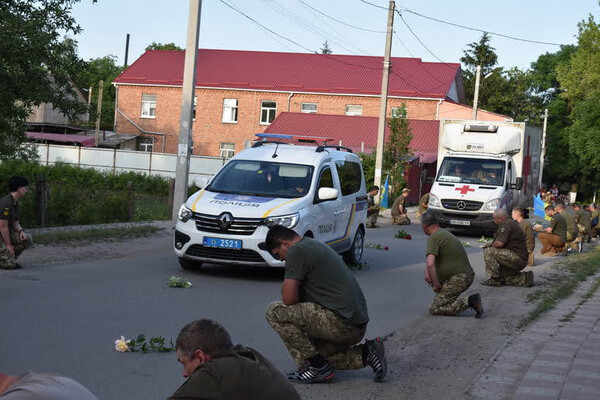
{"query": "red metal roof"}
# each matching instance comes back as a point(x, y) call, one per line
point(353, 131)
point(294, 72)
point(86, 141)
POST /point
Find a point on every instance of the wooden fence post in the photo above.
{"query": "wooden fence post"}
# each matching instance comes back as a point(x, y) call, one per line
point(41, 200)
point(130, 201)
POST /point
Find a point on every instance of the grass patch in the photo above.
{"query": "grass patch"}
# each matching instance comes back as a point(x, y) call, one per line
point(84, 236)
point(562, 282)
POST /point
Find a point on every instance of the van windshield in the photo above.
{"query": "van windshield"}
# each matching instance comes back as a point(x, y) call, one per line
point(472, 170)
point(263, 178)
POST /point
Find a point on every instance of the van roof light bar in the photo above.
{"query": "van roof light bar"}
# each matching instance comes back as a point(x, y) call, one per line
point(481, 128)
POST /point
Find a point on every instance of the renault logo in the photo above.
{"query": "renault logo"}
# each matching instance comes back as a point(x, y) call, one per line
point(461, 205)
point(225, 220)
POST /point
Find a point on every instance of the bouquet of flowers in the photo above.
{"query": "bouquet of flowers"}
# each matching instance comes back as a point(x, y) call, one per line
point(175, 281)
point(401, 234)
point(155, 344)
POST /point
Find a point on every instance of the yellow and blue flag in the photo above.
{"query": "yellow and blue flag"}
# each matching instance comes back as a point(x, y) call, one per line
point(385, 193)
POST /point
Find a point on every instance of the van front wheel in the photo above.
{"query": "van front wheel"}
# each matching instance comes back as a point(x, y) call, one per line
point(188, 264)
point(354, 254)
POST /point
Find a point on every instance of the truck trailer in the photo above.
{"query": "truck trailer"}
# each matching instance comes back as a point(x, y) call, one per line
point(482, 166)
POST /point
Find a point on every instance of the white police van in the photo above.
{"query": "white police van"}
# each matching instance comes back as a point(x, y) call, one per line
point(319, 191)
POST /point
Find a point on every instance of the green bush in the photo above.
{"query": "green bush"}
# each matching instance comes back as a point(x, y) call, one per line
point(80, 196)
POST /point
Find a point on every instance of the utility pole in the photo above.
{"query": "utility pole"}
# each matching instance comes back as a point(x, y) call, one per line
point(384, 93)
point(187, 107)
point(476, 95)
point(99, 111)
point(126, 51)
point(543, 153)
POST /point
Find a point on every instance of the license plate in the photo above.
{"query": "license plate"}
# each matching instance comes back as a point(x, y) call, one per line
point(222, 243)
point(459, 222)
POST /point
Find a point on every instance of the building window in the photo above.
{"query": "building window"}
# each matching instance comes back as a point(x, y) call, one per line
point(146, 144)
point(227, 150)
point(268, 109)
point(308, 107)
point(230, 111)
point(352, 109)
point(194, 109)
point(148, 106)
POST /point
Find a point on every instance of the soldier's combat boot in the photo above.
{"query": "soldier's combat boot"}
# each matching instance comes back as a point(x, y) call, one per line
point(493, 282)
point(475, 303)
point(376, 358)
point(311, 374)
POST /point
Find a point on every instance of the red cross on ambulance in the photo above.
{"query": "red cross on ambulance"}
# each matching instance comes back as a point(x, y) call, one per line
point(465, 189)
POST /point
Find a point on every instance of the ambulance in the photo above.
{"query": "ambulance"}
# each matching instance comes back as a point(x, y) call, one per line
point(482, 166)
point(315, 189)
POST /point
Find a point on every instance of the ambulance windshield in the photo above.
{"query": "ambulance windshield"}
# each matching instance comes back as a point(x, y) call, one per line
point(472, 170)
point(263, 178)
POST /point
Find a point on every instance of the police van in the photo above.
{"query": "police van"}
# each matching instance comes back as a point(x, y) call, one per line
point(317, 190)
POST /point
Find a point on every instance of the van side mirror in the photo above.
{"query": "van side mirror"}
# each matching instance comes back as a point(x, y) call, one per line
point(326, 193)
point(518, 185)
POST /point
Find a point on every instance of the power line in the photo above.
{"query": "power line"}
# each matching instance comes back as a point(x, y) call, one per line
point(264, 27)
point(478, 30)
point(338, 21)
point(374, 5)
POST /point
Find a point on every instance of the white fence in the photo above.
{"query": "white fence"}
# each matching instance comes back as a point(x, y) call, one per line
point(126, 160)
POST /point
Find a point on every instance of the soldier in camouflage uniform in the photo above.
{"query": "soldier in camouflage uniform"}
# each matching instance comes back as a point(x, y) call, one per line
point(507, 255)
point(448, 271)
point(13, 239)
point(373, 210)
point(323, 315)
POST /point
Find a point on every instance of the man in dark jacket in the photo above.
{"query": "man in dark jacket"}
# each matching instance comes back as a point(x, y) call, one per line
point(218, 370)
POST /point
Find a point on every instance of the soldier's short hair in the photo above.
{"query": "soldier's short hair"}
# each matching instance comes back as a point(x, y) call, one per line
point(16, 182)
point(373, 188)
point(206, 335)
point(501, 213)
point(277, 234)
point(576, 205)
point(559, 206)
point(428, 218)
point(549, 208)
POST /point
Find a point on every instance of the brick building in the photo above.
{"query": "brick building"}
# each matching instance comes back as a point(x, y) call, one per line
point(239, 93)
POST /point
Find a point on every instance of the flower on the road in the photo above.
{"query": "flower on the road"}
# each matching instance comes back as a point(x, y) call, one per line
point(401, 234)
point(122, 345)
point(466, 244)
point(175, 281)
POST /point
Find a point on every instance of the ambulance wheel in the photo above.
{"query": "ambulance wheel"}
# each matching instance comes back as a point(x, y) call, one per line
point(188, 264)
point(355, 253)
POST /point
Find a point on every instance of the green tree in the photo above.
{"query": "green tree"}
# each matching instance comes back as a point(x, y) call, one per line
point(483, 54)
point(89, 75)
point(397, 151)
point(36, 65)
point(579, 78)
point(163, 46)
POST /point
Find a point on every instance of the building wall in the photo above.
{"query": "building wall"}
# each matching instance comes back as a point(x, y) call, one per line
point(208, 129)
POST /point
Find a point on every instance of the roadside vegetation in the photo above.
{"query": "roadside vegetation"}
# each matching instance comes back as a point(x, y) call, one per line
point(85, 236)
point(562, 281)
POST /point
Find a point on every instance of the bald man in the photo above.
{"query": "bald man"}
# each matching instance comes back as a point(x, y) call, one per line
point(507, 255)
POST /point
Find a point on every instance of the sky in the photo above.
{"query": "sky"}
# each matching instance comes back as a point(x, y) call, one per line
point(304, 25)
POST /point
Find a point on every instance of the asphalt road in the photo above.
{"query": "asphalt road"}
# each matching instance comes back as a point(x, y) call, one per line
point(65, 318)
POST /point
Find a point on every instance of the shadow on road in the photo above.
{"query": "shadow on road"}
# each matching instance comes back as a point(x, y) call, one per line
point(268, 274)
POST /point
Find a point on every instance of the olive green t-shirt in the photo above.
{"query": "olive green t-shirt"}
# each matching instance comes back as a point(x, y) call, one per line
point(571, 224)
point(424, 200)
point(559, 226)
point(450, 255)
point(513, 238)
point(582, 217)
point(9, 210)
point(529, 235)
point(240, 374)
point(326, 280)
point(397, 203)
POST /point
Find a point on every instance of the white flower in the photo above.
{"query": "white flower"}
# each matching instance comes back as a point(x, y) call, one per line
point(121, 345)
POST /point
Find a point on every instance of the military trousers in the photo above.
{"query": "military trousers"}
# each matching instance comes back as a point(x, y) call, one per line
point(447, 300)
point(401, 219)
point(551, 243)
point(505, 265)
point(7, 261)
point(372, 218)
point(308, 329)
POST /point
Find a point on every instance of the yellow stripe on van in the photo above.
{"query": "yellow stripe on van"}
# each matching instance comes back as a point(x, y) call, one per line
point(196, 202)
point(347, 233)
point(281, 205)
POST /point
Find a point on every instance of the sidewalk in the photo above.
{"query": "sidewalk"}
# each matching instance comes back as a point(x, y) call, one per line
point(556, 357)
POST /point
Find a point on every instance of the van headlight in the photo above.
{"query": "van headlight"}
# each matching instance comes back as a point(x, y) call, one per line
point(491, 205)
point(434, 201)
point(288, 221)
point(184, 213)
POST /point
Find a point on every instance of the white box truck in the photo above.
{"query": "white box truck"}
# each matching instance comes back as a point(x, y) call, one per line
point(484, 165)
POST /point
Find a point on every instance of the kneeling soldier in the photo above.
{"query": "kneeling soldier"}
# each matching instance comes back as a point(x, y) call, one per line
point(507, 255)
point(13, 239)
